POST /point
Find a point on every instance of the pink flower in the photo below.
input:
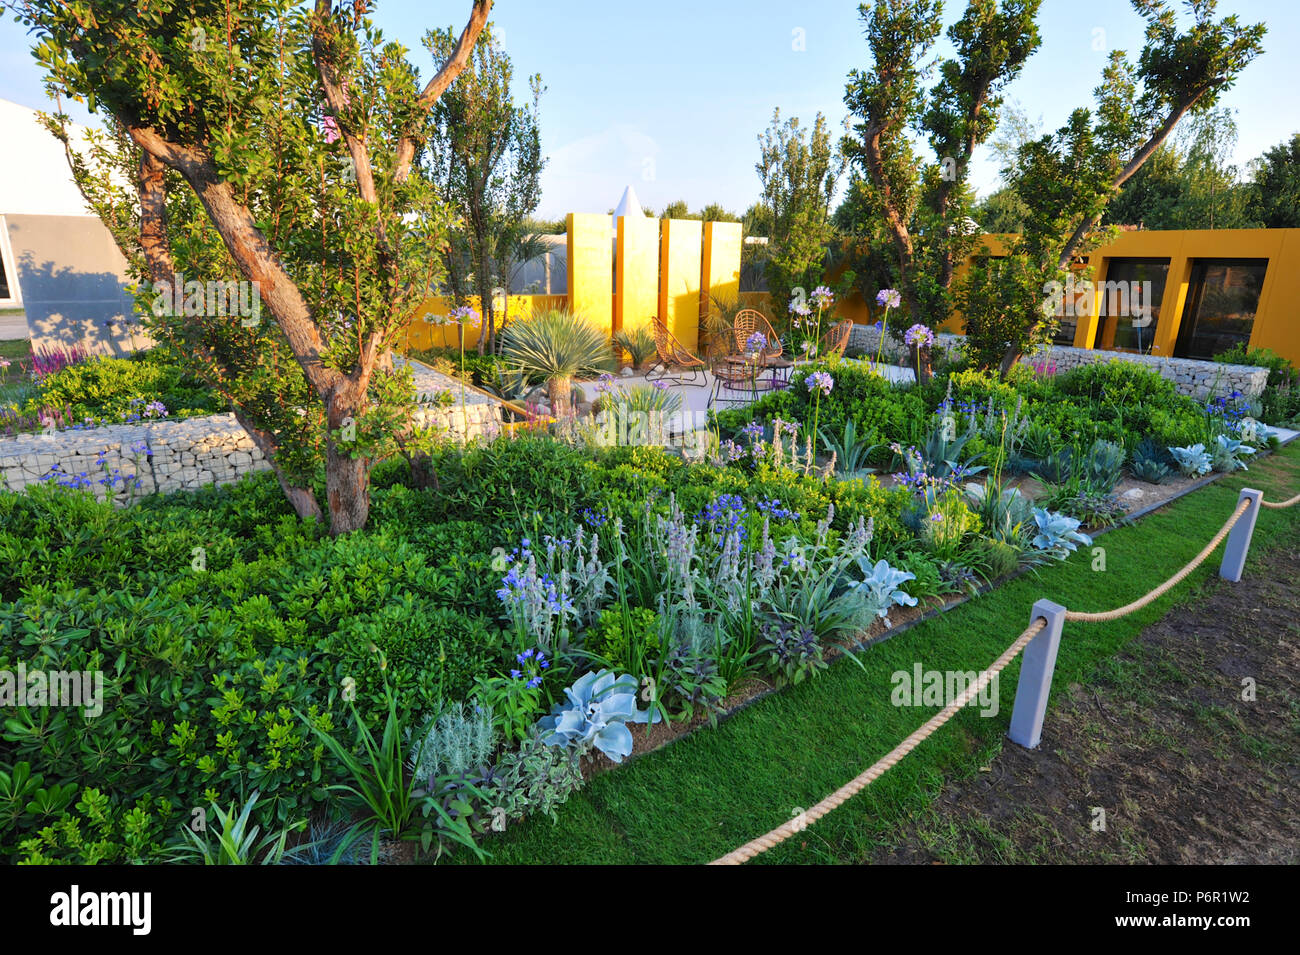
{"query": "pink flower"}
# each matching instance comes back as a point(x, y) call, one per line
point(332, 133)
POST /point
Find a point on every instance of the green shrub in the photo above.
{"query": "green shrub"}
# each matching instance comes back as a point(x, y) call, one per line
point(115, 389)
point(1280, 402)
point(611, 637)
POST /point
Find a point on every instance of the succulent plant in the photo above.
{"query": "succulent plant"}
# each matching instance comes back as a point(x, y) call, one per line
point(1058, 534)
point(1227, 453)
point(599, 707)
point(880, 587)
point(1193, 461)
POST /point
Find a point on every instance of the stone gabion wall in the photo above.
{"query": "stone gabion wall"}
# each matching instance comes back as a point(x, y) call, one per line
point(865, 339)
point(126, 461)
point(1199, 379)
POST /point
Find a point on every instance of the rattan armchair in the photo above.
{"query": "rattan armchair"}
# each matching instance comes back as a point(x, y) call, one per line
point(746, 323)
point(670, 355)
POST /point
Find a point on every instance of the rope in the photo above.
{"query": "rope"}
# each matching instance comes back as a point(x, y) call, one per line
point(1279, 505)
point(850, 789)
point(1172, 582)
point(783, 832)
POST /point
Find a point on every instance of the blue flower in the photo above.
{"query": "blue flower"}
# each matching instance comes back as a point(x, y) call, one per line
point(515, 674)
point(535, 682)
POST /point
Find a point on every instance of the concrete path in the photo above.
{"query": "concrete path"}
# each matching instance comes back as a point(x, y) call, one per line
point(14, 327)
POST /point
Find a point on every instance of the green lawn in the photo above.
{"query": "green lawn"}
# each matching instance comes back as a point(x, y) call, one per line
point(14, 349)
point(704, 795)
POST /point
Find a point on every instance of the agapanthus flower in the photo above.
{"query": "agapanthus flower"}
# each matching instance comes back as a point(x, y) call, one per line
point(820, 379)
point(465, 315)
point(756, 342)
point(888, 297)
point(919, 335)
point(800, 308)
point(822, 297)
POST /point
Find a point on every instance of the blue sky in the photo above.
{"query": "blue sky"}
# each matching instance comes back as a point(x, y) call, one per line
point(670, 96)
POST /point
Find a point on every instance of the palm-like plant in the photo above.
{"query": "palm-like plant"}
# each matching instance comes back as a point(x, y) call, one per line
point(639, 343)
point(556, 346)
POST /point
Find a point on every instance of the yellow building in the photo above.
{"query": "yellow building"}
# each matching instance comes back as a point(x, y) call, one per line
point(1209, 289)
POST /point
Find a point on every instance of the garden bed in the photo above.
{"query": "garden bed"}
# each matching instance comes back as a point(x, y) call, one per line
point(475, 609)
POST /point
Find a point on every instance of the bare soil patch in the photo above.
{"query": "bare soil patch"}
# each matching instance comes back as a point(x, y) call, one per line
point(1161, 739)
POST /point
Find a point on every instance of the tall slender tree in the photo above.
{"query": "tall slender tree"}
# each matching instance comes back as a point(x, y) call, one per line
point(486, 156)
point(798, 169)
point(928, 203)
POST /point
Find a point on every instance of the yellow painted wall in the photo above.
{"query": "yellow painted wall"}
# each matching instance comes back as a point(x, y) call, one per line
point(636, 286)
point(680, 255)
point(1277, 318)
point(720, 265)
point(591, 268)
point(425, 331)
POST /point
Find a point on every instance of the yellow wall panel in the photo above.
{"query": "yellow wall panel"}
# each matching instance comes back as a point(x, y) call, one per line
point(1276, 326)
point(680, 254)
point(591, 269)
point(721, 262)
point(636, 289)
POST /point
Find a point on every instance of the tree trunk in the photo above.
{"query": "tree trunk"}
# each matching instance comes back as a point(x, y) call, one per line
point(1009, 359)
point(347, 479)
point(560, 392)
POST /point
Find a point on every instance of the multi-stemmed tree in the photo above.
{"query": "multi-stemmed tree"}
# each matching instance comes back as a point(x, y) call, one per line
point(925, 206)
point(1067, 179)
point(296, 129)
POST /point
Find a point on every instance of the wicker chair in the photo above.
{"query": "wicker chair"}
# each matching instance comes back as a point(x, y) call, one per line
point(746, 323)
point(835, 340)
point(671, 354)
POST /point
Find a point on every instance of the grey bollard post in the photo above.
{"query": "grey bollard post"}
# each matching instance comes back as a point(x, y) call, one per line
point(1234, 552)
point(1036, 666)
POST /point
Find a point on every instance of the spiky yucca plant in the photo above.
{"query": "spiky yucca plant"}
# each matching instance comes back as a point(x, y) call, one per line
point(639, 343)
point(556, 346)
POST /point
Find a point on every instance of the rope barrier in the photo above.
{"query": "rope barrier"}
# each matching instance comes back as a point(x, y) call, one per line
point(1169, 584)
point(783, 832)
point(1279, 505)
point(877, 769)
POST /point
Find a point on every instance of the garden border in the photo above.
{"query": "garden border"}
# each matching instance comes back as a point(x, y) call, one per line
point(834, 653)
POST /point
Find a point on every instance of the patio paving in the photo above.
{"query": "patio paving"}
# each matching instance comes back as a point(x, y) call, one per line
point(694, 411)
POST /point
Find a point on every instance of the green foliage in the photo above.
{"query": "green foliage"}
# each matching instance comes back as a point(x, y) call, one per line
point(534, 778)
point(639, 343)
point(1067, 179)
point(113, 389)
point(1275, 192)
point(484, 156)
point(95, 831)
point(1280, 402)
point(237, 841)
point(378, 784)
point(797, 170)
point(615, 634)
